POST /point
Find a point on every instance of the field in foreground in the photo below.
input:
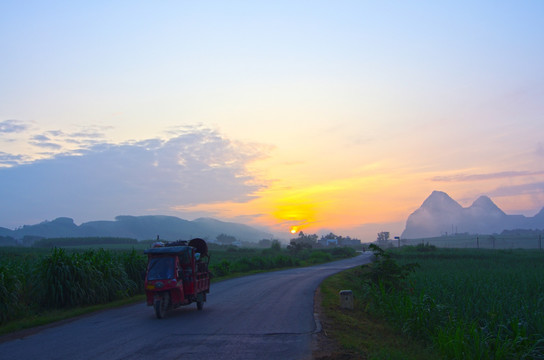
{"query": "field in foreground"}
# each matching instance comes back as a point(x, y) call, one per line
point(457, 304)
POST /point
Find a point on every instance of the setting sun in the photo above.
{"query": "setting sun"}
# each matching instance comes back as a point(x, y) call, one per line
point(293, 230)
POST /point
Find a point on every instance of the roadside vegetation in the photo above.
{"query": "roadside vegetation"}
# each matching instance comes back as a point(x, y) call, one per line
point(230, 260)
point(40, 284)
point(454, 304)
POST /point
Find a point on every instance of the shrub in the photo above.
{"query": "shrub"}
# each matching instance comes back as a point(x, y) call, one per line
point(221, 269)
point(385, 271)
point(317, 257)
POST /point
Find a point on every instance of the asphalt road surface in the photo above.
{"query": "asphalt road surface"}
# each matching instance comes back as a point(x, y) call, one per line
point(263, 316)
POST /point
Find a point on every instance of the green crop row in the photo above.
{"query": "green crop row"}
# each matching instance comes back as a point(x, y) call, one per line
point(468, 304)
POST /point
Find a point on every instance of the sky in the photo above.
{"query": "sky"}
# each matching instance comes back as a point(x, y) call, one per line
point(314, 116)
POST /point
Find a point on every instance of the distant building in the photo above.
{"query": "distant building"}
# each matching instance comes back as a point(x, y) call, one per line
point(333, 240)
point(351, 242)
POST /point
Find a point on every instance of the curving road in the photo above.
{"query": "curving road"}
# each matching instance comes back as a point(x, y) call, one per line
point(263, 316)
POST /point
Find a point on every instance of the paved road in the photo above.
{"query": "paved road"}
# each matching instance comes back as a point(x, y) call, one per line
point(263, 316)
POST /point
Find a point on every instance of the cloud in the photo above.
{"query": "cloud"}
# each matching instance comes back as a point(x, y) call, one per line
point(199, 166)
point(12, 126)
point(89, 135)
point(44, 142)
point(54, 133)
point(516, 190)
point(49, 143)
point(9, 159)
point(477, 177)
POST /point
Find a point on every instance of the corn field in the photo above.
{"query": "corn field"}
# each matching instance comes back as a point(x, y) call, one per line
point(469, 304)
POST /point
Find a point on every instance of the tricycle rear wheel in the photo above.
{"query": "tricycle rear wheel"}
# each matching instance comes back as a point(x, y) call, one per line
point(160, 304)
point(159, 308)
point(200, 305)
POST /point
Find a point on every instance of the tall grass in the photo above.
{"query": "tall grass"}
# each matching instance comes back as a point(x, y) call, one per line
point(91, 277)
point(10, 290)
point(34, 281)
point(470, 304)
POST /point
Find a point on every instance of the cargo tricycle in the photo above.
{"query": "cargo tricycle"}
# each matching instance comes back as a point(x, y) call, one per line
point(177, 274)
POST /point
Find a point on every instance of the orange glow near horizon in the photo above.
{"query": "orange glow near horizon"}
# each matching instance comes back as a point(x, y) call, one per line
point(331, 204)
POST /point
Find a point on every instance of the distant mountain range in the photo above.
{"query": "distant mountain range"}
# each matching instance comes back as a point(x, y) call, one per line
point(440, 214)
point(140, 228)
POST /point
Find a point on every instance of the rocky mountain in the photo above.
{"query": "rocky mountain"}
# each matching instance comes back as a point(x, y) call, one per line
point(141, 228)
point(440, 214)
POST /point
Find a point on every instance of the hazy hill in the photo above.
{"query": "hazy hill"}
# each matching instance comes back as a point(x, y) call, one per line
point(440, 214)
point(141, 228)
point(5, 231)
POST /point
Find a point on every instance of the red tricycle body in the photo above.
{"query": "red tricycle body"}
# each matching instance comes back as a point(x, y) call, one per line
point(177, 275)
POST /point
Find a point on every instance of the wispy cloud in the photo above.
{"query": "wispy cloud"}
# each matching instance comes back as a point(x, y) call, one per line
point(86, 136)
point(516, 190)
point(12, 126)
point(96, 132)
point(489, 176)
point(55, 133)
point(44, 142)
point(48, 144)
point(10, 159)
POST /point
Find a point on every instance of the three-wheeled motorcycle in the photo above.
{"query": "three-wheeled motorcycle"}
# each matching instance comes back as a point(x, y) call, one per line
point(177, 274)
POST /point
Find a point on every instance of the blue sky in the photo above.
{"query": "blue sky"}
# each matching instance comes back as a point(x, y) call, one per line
point(338, 115)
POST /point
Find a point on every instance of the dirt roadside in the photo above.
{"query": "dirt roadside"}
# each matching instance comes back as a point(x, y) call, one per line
point(324, 346)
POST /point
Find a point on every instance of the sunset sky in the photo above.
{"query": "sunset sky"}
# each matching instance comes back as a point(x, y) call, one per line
point(337, 116)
